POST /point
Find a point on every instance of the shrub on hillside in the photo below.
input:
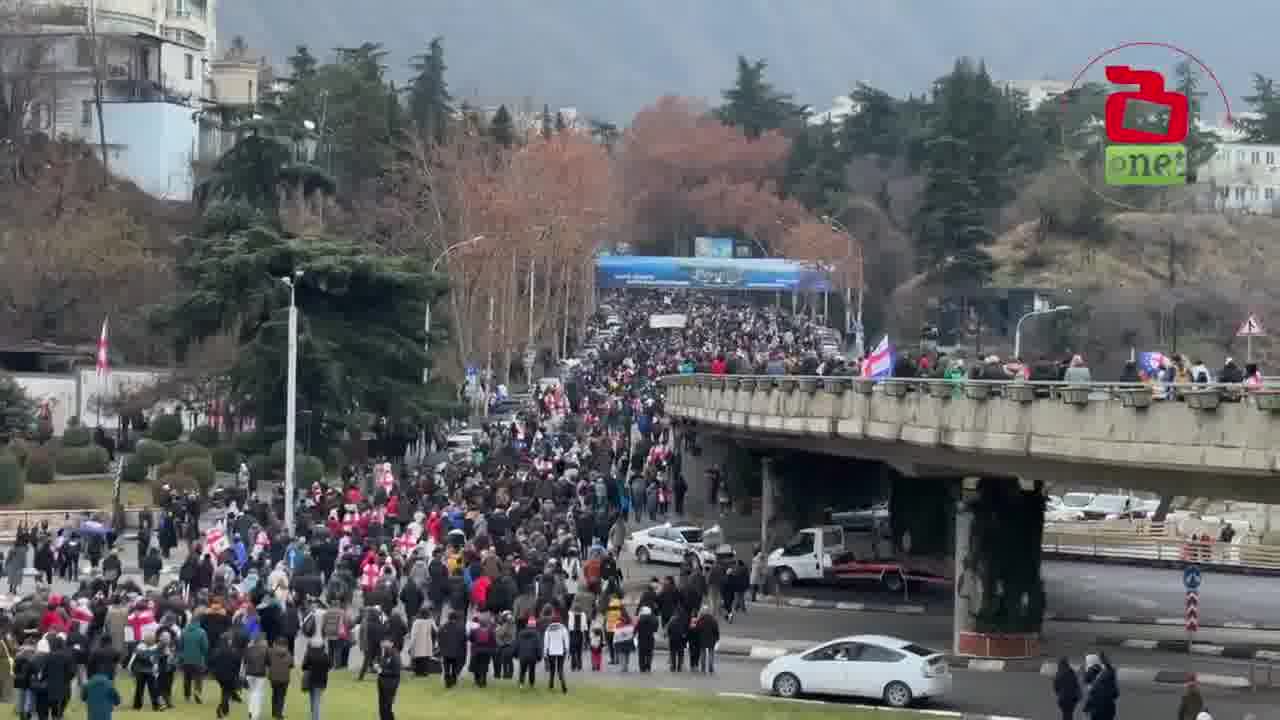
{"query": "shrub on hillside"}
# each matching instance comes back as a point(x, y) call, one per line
point(260, 467)
point(133, 472)
point(150, 453)
point(39, 466)
point(183, 450)
point(335, 460)
point(199, 469)
point(165, 428)
point(77, 436)
point(11, 479)
point(205, 435)
point(226, 459)
point(82, 460)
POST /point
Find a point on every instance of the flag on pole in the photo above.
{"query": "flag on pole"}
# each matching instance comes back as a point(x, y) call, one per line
point(103, 367)
point(880, 362)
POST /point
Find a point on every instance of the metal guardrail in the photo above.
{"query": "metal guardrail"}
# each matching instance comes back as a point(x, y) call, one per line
point(1154, 541)
point(1197, 395)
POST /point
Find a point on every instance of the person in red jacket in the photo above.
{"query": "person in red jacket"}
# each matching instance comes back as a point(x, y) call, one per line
point(719, 366)
point(53, 620)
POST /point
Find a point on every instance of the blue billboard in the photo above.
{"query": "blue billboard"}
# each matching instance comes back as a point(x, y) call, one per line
point(701, 273)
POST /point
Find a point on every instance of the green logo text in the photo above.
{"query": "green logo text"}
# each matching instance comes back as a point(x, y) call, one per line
point(1164, 164)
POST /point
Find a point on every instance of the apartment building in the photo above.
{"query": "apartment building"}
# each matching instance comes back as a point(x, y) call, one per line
point(1245, 177)
point(153, 58)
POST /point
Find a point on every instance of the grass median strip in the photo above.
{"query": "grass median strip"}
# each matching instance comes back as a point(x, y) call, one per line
point(426, 699)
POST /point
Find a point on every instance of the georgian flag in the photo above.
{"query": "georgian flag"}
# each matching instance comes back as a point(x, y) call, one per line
point(880, 362)
point(103, 367)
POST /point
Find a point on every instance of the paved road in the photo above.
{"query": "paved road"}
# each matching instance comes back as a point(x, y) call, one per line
point(1079, 589)
point(1017, 694)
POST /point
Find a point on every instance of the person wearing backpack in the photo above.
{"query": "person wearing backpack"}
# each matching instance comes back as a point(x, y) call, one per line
point(372, 632)
point(193, 656)
point(483, 646)
point(144, 665)
point(100, 697)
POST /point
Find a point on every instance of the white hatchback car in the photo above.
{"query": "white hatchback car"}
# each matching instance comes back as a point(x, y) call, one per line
point(669, 543)
point(896, 671)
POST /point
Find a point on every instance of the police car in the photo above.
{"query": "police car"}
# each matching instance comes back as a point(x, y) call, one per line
point(672, 544)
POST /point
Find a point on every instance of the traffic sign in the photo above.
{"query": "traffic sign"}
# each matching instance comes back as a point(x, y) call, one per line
point(1251, 327)
point(1193, 611)
point(1191, 578)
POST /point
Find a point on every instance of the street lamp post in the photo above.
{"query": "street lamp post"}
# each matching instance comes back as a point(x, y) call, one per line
point(1017, 331)
point(848, 291)
point(426, 371)
point(291, 404)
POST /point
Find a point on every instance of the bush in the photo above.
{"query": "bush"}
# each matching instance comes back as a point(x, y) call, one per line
point(226, 459)
point(150, 453)
point(76, 436)
point(183, 450)
point(20, 449)
point(310, 470)
point(205, 435)
point(165, 428)
point(39, 466)
point(82, 460)
point(276, 454)
point(133, 472)
point(11, 480)
point(199, 469)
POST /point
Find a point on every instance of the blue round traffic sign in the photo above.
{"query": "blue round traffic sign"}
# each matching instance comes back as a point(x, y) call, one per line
point(1191, 577)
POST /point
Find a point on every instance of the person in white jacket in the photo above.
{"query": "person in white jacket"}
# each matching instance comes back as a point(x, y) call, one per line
point(555, 644)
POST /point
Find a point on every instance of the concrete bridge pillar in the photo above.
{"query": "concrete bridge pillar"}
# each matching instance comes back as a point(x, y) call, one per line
point(700, 453)
point(999, 604)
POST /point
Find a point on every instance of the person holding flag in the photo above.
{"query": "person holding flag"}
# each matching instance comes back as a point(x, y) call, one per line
point(879, 363)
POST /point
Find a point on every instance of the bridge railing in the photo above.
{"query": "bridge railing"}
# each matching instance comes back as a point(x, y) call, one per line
point(1205, 396)
point(1154, 541)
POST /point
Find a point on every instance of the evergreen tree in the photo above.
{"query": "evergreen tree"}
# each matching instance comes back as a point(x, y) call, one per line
point(875, 125)
point(1201, 144)
point(816, 168)
point(606, 133)
point(561, 125)
point(302, 65)
point(753, 104)
point(430, 104)
point(548, 123)
point(1263, 125)
point(501, 127)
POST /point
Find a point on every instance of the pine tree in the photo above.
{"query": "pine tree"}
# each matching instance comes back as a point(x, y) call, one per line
point(501, 127)
point(1201, 144)
point(753, 104)
point(1264, 104)
point(816, 168)
point(548, 123)
point(874, 127)
point(430, 104)
point(302, 65)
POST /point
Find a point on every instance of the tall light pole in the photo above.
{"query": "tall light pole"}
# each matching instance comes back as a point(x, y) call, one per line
point(291, 403)
point(848, 291)
point(426, 371)
point(1017, 330)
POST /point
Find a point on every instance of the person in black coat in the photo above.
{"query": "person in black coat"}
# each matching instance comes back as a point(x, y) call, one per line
point(104, 659)
point(529, 652)
point(58, 667)
point(388, 680)
point(224, 664)
point(677, 637)
point(1103, 694)
point(646, 632)
point(1066, 689)
point(453, 648)
point(412, 597)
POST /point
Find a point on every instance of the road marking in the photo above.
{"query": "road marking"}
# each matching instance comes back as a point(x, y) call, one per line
point(1141, 644)
point(987, 665)
point(1223, 681)
point(1104, 618)
point(1169, 621)
point(850, 606)
point(762, 652)
point(1207, 649)
point(1239, 625)
point(877, 708)
point(1268, 655)
point(801, 602)
point(910, 609)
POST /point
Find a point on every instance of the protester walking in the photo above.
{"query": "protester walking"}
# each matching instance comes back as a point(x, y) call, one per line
point(279, 670)
point(144, 665)
point(528, 651)
point(555, 643)
point(255, 674)
point(388, 680)
point(453, 649)
point(193, 656)
point(1066, 689)
point(100, 697)
point(315, 673)
point(225, 664)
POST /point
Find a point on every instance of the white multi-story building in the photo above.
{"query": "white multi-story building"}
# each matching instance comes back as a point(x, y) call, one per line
point(153, 62)
point(1244, 177)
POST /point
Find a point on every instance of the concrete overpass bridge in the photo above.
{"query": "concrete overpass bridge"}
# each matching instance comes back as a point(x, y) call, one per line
point(998, 441)
point(1217, 441)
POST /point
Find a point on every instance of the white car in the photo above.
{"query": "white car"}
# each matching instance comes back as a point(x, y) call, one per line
point(897, 671)
point(668, 543)
point(1057, 511)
